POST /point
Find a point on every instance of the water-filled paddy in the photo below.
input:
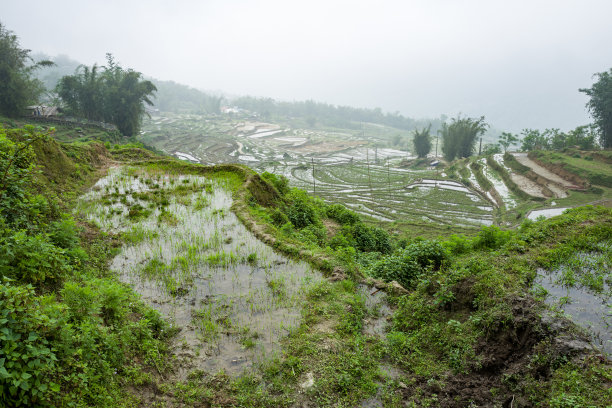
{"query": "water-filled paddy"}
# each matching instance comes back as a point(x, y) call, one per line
point(188, 256)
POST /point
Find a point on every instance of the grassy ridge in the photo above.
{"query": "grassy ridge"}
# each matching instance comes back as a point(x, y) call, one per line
point(596, 172)
point(508, 181)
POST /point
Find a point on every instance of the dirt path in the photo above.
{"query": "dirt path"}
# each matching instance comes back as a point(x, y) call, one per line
point(556, 180)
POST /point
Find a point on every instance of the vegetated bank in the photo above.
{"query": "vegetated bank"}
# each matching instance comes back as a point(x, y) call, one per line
point(466, 326)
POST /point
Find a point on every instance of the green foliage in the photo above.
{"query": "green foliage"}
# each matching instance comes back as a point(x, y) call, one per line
point(401, 268)
point(427, 253)
point(422, 141)
point(26, 356)
point(17, 164)
point(116, 95)
point(492, 237)
point(18, 87)
point(371, 239)
point(278, 217)
point(343, 215)
point(408, 264)
point(32, 258)
point(280, 182)
point(600, 106)
point(553, 139)
point(459, 137)
point(300, 210)
point(507, 139)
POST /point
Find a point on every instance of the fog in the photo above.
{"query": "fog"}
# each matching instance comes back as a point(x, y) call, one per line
point(518, 63)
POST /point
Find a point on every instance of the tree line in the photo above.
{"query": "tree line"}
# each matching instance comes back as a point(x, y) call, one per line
point(327, 114)
point(109, 94)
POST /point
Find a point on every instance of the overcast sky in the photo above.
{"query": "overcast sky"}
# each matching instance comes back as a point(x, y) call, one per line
point(519, 63)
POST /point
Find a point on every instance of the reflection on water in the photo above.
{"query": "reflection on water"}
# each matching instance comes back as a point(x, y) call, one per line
point(591, 311)
point(232, 296)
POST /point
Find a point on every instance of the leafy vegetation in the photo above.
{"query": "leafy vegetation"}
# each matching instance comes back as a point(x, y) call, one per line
point(422, 142)
point(18, 87)
point(115, 96)
point(459, 137)
point(600, 106)
point(71, 334)
point(583, 137)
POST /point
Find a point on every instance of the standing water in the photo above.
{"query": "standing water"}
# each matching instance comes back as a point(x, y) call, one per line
point(188, 256)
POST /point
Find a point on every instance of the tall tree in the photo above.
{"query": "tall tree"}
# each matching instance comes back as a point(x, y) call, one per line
point(18, 88)
point(506, 140)
point(115, 95)
point(422, 141)
point(459, 137)
point(600, 106)
point(533, 139)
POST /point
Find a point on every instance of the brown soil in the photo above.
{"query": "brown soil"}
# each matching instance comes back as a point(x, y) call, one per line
point(504, 359)
point(331, 226)
point(576, 181)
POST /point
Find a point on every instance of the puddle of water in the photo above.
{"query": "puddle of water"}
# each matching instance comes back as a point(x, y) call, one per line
point(376, 303)
point(589, 309)
point(546, 213)
point(232, 296)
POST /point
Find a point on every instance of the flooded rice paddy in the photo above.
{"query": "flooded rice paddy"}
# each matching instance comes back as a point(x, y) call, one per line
point(582, 289)
point(546, 213)
point(232, 297)
point(388, 194)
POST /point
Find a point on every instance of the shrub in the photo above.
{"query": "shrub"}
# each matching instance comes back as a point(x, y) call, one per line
point(26, 357)
point(491, 237)
point(300, 212)
point(278, 217)
point(427, 253)
point(368, 239)
point(32, 259)
point(457, 244)
point(280, 182)
point(63, 233)
point(340, 213)
point(401, 268)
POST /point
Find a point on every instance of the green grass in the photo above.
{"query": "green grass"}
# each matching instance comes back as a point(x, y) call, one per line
point(596, 172)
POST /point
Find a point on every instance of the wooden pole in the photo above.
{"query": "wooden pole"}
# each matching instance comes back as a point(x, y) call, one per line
point(314, 182)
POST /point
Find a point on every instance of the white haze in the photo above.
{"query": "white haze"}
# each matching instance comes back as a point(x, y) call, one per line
point(519, 63)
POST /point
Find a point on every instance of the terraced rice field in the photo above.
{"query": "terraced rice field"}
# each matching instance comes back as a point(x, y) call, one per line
point(348, 170)
point(188, 256)
point(389, 194)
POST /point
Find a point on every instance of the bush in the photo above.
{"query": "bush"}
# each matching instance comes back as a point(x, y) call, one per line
point(457, 244)
point(340, 213)
point(491, 237)
point(278, 217)
point(300, 212)
point(427, 253)
point(64, 233)
point(32, 259)
point(369, 239)
point(401, 268)
point(280, 182)
point(26, 357)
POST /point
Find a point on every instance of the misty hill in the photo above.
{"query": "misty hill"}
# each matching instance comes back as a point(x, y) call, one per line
point(178, 98)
